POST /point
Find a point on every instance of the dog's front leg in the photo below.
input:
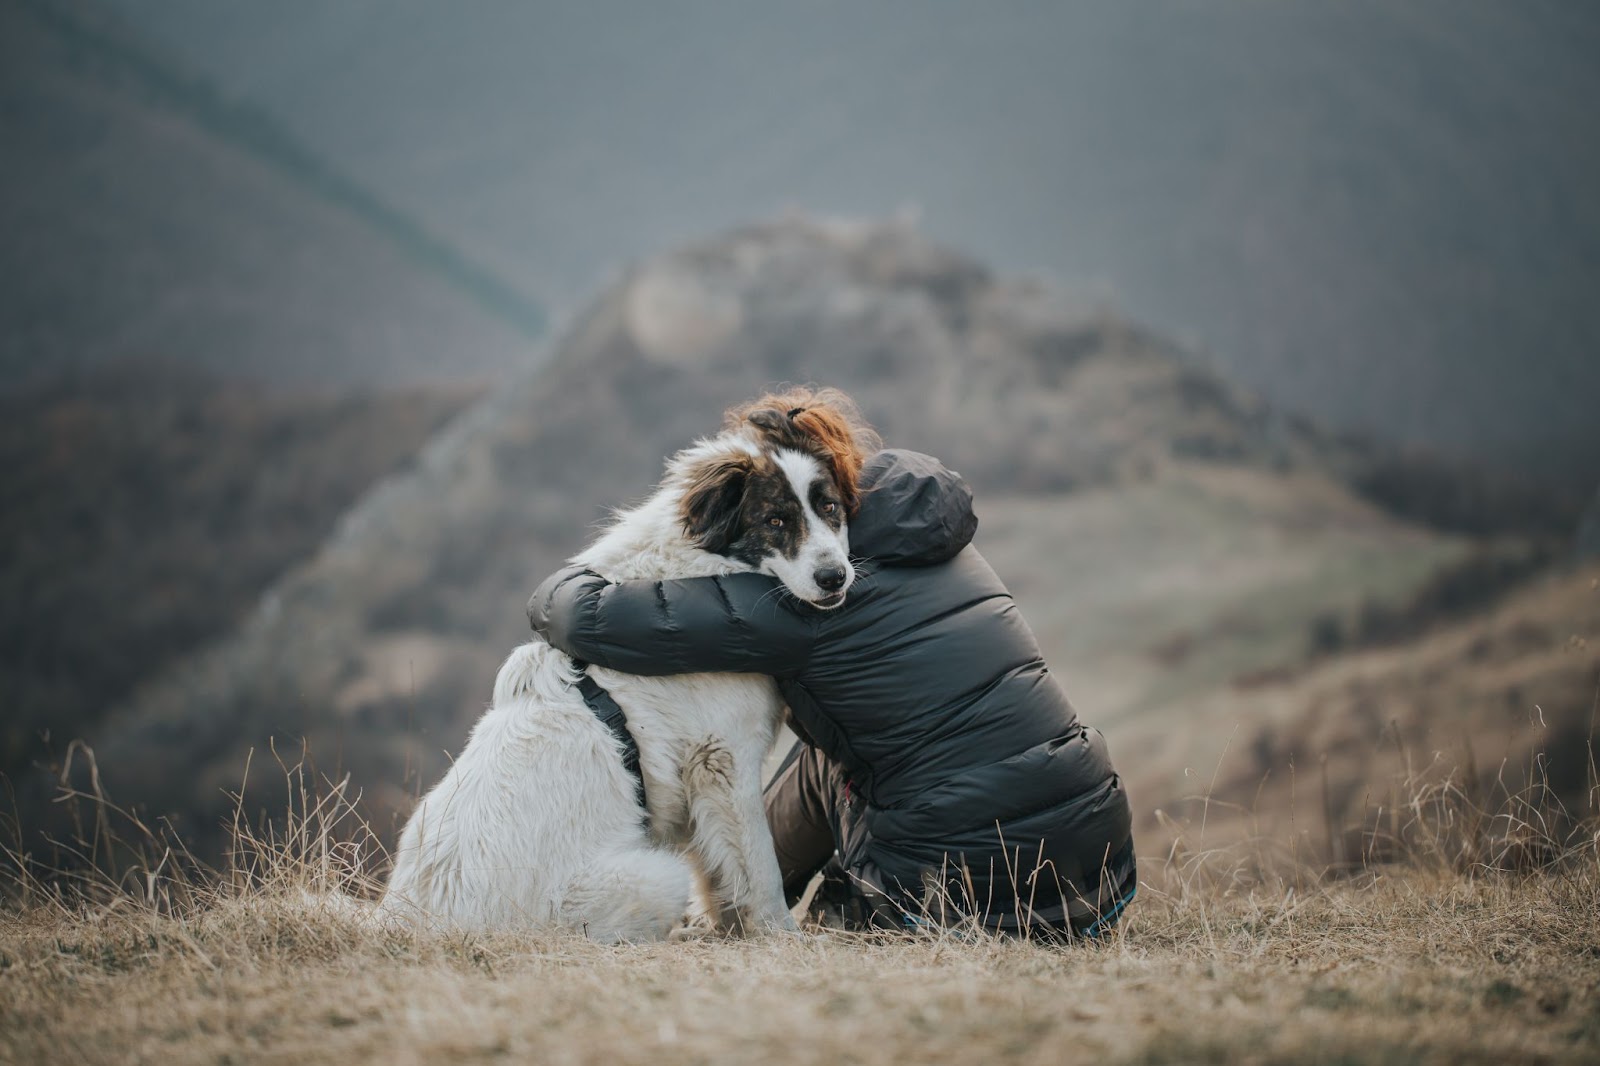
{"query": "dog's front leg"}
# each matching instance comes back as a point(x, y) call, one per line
point(728, 833)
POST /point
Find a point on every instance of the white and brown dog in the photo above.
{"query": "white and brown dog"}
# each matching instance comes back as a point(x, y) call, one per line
point(538, 823)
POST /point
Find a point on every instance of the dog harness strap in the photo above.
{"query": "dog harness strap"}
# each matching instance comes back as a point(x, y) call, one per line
point(611, 715)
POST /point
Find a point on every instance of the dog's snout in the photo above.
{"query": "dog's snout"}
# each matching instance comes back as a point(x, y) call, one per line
point(829, 578)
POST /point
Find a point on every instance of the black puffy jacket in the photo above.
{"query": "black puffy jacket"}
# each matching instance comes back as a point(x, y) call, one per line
point(926, 687)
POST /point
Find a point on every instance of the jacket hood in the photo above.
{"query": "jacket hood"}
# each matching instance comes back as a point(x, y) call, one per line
point(914, 511)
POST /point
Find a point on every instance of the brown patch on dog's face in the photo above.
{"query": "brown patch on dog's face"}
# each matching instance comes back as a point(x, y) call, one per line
point(743, 507)
point(772, 517)
point(770, 522)
point(779, 512)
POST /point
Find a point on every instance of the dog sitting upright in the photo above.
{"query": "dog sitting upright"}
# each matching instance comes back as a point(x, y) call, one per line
point(539, 823)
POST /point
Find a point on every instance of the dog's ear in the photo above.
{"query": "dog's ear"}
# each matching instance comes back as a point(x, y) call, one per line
point(773, 421)
point(711, 500)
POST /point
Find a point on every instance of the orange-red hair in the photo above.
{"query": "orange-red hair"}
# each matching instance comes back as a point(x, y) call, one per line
point(822, 422)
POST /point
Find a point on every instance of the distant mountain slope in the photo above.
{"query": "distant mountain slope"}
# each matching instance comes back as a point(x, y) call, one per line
point(1131, 496)
point(1382, 214)
point(1503, 701)
point(147, 217)
point(144, 509)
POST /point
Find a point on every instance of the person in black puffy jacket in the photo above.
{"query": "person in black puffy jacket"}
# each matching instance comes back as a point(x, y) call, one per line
point(942, 775)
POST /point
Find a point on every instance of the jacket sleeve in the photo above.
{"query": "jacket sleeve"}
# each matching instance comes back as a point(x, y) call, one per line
point(733, 624)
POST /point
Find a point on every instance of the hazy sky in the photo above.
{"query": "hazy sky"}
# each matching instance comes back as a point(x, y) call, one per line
point(1382, 214)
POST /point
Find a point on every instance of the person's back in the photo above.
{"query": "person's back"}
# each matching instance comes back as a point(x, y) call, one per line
point(946, 764)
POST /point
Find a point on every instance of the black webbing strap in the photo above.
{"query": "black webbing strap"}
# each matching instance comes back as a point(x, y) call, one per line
point(612, 717)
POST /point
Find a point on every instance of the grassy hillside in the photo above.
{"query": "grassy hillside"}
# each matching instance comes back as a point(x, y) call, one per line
point(1506, 698)
point(1414, 970)
point(147, 216)
point(1223, 959)
point(144, 512)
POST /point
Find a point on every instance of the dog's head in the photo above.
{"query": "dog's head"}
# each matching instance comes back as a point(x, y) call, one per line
point(776, 491)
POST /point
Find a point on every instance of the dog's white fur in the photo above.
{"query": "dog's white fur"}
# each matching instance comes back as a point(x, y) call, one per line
point(537, 823)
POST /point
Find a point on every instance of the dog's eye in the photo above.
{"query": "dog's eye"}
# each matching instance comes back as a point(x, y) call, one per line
point(829, 507)
point(775, 522)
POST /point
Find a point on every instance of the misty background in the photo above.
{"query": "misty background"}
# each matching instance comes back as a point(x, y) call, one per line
point(1267, 333)
point(1382, 214)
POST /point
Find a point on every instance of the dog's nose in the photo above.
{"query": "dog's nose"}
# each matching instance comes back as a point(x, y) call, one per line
point(830, 578)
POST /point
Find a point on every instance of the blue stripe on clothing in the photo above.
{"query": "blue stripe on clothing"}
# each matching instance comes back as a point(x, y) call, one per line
point(1109, 918)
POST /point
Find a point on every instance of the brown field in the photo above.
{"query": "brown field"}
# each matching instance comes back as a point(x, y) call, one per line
point(1404, 968)
point(1431, 914)
point(1234, 954)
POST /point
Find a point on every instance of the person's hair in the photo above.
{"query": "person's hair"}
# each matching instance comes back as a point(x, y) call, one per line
point(821, 422)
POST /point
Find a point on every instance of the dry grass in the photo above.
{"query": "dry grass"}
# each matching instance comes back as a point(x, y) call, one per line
point(1402, 969)
point(1232, 954)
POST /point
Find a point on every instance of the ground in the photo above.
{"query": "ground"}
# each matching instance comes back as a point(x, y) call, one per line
point(1395, 966)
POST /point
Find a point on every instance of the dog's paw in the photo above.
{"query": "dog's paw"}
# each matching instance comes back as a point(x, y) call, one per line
point(685, 933)
point(772, 924)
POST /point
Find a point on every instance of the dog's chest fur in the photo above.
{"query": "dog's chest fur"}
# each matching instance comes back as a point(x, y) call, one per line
point(690, 728)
